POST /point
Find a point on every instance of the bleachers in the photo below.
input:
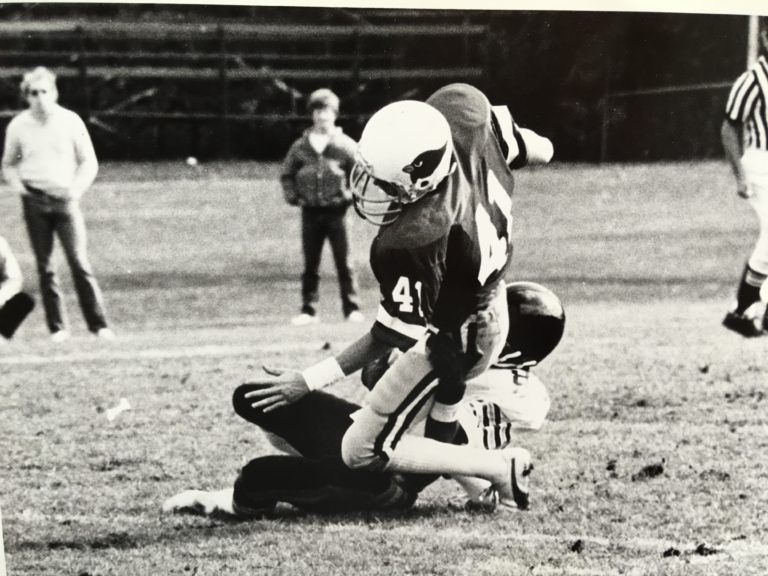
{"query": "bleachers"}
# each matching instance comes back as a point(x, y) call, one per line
point(239, 79)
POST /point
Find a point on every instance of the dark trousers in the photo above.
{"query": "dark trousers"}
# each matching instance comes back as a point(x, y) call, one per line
point(318, 480)
point(46, 218)
point(13, 312)
point(317, 224)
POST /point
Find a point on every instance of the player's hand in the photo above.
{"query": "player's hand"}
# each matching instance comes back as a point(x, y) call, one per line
point(743, 190)
point(280, 388)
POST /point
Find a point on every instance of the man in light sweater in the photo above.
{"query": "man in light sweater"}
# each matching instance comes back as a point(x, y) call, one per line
point(15, 305)
point(50, 162)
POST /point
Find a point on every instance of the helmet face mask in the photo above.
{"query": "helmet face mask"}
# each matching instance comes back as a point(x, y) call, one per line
point(376, 201)
point(536, 324)
point(405, 152)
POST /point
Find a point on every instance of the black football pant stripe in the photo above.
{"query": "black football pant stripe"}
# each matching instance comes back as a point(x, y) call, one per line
point(408, 408)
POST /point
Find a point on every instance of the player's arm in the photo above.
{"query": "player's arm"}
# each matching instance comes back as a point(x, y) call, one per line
point(11, 159)
point(730, 134)
point(540, 149)
point(740, 104)
point(521, 146)
point(449, 361)
point(291, 165)
point(281, 388)
point(409, 280)
point(87, 163)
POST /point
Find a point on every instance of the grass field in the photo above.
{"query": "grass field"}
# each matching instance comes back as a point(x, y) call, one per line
point(200, 271)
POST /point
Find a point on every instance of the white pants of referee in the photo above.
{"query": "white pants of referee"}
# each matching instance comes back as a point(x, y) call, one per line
point(755, 164)
point(403, 397)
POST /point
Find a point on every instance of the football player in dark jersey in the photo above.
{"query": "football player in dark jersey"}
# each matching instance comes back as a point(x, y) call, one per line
point(445, 168)
point(502, 402)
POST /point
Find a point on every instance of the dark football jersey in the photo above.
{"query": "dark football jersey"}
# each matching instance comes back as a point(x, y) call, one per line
point(444, 256)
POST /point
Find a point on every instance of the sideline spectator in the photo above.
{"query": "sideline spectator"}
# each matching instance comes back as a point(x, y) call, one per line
point(50, 162)
point(315, 176)
point(15, 305)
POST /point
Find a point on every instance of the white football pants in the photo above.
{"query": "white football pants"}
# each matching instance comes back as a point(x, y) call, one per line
point(378, 438)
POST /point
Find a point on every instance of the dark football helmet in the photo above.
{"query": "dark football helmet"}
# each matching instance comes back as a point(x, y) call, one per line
point(536, 324)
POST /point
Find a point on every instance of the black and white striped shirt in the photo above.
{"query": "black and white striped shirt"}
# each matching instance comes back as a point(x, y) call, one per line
point(748, 104)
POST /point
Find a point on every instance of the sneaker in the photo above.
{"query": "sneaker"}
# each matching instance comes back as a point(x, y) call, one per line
point(513, 490)
point(201, 503)
point(742, 324)
point(304, 319)
point(60, 336)
point(105, 334)
point(355, 317)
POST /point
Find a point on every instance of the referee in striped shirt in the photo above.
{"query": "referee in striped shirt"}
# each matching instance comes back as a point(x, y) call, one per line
point(745, 140)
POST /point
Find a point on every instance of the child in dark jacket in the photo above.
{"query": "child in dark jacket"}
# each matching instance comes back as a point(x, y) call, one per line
point(315, 176)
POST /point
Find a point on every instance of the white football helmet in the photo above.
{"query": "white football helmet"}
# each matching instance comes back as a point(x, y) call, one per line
point(405, 152)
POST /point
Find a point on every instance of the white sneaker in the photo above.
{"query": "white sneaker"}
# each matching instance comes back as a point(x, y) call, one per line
point(355, 316)
point(105, 334)
point(60, 336)
point(304, 319)
point(513, 489)
point(201, 502)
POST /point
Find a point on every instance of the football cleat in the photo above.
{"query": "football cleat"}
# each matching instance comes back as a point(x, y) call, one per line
point(513, 490)
point(742, 324)
point(485, 503)
point(201, 503)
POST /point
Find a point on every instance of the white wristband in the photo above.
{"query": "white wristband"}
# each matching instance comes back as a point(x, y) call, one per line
point(323, 373)
point(444, 412)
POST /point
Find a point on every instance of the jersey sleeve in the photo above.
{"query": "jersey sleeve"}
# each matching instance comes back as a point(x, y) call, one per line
point(409, 280)
point(510, 139)
point(12, 147)
point(742, 98)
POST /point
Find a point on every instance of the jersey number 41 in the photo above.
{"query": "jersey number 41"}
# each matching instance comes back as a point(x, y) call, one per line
point(494, 245)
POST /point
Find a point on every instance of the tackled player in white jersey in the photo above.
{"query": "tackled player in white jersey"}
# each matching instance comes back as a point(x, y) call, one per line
point(444, 169)
point(498, 405)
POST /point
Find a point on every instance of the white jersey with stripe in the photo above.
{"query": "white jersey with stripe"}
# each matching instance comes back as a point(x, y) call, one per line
point(747, 104)
point(500, 402)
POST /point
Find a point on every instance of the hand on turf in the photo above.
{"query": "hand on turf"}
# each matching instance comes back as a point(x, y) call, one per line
point(280, 388)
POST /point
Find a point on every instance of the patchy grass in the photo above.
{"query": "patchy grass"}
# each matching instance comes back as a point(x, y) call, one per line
point(652, 461)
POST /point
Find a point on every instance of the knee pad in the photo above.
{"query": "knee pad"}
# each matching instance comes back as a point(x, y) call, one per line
point(239, 401)
point(242, 405)
point(357, 454)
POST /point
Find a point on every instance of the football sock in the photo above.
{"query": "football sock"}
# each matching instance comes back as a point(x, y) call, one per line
point(474, 487)
point(424, 456)
point(749, 289)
